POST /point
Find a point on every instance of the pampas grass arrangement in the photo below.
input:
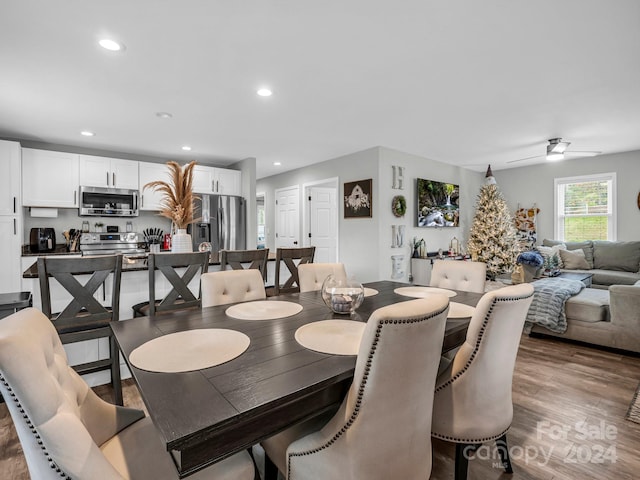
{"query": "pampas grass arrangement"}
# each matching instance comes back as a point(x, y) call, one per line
point(178, 201)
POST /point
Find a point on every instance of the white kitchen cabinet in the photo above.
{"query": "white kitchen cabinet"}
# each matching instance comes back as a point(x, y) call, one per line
point(108, 172)
point(227, 182)
point(10, 239)
point(210, 180)
point(203, 179)
point(149, 172)
point(49, 179)
point(10, 217)
point(10, 178)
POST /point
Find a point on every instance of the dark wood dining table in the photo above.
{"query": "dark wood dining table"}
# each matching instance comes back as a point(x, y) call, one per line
point(206, 415)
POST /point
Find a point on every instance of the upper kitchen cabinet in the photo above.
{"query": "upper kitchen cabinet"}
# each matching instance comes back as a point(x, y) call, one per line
point(108, 172)
point(227, 182)
point(150, 172)
point(202, 179)
point(208, 180)
point(49, 179)
point(10, 180)
point(10, 217)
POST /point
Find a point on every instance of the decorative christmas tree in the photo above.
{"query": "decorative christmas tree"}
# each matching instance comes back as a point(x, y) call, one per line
point(492, 239)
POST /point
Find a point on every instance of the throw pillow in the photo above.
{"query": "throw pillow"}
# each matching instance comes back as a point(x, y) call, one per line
point(549, 252)
point(574, 259)
point(587, 246)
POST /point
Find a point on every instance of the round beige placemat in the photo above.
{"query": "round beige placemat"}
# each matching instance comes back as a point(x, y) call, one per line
point(422, 292)
point(370, 292)
point(460, 310)
point(264, 310)
point(338, 337)
point(189, 350)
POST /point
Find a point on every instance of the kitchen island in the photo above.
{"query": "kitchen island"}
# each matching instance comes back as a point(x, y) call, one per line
point(134, 288)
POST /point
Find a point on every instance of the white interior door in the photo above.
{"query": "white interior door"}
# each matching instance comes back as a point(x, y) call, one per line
point(288, 217)
point(323, 223)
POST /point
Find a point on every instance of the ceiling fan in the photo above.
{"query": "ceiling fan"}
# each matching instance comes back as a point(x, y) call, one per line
point(557, 150)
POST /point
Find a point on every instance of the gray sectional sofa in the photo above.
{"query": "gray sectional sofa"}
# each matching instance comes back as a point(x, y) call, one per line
point(608, 314)
point(609, 318)
point(611, 263)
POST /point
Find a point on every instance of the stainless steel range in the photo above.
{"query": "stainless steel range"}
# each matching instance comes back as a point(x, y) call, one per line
point(111, 243)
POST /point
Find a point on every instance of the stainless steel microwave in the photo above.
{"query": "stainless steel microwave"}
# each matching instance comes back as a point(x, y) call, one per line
point(108, 202)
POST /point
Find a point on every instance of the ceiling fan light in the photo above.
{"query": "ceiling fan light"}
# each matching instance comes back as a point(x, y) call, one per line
point(553, 156)
point(556, 145)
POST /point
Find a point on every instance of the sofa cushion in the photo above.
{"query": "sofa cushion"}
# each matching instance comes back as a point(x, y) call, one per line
point(623, 256)
point(573, 259)
point(590, 305)
point(614, 277)
point(549, 252)
point(587, 246)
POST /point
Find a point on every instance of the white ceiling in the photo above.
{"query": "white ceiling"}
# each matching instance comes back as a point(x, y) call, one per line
point(466, 82)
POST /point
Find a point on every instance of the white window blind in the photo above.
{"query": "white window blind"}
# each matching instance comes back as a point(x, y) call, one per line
point(585, 207)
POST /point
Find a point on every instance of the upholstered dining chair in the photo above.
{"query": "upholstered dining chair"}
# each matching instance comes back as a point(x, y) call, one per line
point(84, 317)
point(459, 275)
point(180, 297)
point(236, 258)
point(231, 286)
point(381, 430)
point(312, 275)
point(66, 430)
point(472, 403)
point(287, 256)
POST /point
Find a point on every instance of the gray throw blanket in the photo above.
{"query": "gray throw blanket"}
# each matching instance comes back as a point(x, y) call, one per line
point(547, 307)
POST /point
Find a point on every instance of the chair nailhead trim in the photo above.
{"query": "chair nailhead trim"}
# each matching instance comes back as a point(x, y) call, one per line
point(469, 440)
point(30, 425)
point(361, 388)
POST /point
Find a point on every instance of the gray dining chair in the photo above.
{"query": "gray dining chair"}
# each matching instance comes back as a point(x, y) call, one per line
point(288, 257)
point(180, 297)
point(84, 317)
point(472, 403)
point(381, 430)
point(237, 259)
point(66, 430)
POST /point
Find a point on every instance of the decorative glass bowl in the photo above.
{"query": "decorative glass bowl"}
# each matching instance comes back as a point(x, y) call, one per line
point(342, 295)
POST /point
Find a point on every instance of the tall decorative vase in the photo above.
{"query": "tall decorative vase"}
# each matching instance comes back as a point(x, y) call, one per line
point(181, 241)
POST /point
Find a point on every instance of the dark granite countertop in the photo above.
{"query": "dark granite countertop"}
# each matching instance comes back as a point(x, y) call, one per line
point(59, 250)
point(130, 263)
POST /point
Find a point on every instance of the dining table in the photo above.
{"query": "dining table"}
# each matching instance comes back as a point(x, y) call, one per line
point(208, 414)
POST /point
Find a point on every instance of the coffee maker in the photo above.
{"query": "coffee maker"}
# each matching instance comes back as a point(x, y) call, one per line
point(42, 240)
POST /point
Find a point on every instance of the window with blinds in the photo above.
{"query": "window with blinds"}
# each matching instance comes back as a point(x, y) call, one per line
point(585, 207)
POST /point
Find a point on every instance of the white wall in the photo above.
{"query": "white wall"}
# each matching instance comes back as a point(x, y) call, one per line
point(365, 243)
point(435, 238)
point(358, 236)
point(534, 184)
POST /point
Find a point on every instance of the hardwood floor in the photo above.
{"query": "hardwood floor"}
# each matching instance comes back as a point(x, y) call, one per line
point(569, 421)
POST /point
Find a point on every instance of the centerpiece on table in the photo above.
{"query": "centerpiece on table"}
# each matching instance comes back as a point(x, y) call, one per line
point(178, 203)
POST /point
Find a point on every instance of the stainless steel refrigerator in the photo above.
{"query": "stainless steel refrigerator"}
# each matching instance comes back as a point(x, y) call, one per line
point(222, 223)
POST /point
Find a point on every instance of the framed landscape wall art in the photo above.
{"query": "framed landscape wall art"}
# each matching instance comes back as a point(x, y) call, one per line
point(357, 199)
point(438, 204)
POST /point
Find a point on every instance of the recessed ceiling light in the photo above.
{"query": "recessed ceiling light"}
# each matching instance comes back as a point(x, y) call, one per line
point(277, 164)
point(264, 92)
point(111, 45)
point(87, 133)
point(163, 115)
point(186, 148)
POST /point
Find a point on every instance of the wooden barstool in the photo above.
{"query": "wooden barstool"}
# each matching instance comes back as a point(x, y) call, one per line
point(84, 318)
